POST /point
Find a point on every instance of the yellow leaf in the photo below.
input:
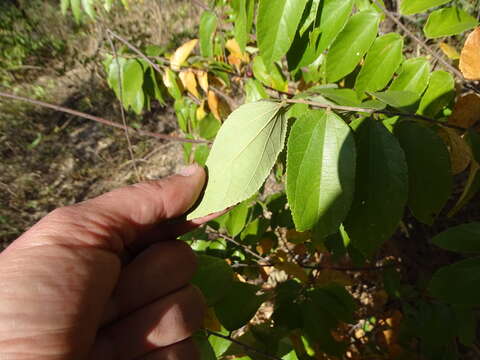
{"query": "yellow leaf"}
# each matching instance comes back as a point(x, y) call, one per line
point(460, 153)
point(467, 111)
point(201, 113)
point(182, 54)
point(467, 191)
point(202, 77)
point(210, 321)
point(189, 82)
point(236, 57)
point(449, 51)
point(469, 58)
point(213, 104)
point(218, 107)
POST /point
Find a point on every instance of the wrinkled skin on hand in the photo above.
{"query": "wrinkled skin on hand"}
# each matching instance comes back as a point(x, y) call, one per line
point(105, 279)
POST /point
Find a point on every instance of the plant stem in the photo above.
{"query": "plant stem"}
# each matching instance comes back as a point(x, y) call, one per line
point(122, 111)
point(243, 345)
point(100, 120)
point(369, 111)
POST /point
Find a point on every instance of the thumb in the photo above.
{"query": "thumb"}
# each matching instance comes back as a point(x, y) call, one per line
point(119, 218)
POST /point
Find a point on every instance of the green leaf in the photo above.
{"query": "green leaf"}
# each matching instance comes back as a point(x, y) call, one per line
point(429, 170)
point(125, 77)
point(335, 14)
point(270, 77)
point(77, 10)
point(254, 91)
point(208, 127)
point(466, 324)
point(237, 218)
point(439, 94)
point(64, 6)
point(402, 100)
point(383, 59)
point(351, 44)
point(208, 26)
point(312, 16)
point(243, 155)
point(201, 154)
point(463, 238)
point(219, 345)
point(334, 299)
point(414, 76)
point(88, 7)
point(204, 348)
point(320, 171)
point(345, 97)
point(381, 190)
point(243, 19)
point(277, 24)
point(447, 22)
point(239, 306)
point(410, 7)
point(213, 277)
point(458, 283)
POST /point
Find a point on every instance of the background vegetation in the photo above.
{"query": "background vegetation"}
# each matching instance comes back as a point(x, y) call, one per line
point(273, 292)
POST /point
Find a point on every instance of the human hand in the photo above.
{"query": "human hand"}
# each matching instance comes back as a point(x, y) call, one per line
point(105, 279)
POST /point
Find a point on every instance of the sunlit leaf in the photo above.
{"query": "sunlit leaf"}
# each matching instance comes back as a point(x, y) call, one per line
point(449, 51)
point(410, 7)
point(320, 171)
point(414, 76)
point(448, 21)
point(242, 155)
point(440, 93)
point(208, 26)
point(181, 54)
point(383, 59)
point(469, 59)
point(352, 44)
point(189, 82)
point(277, 23)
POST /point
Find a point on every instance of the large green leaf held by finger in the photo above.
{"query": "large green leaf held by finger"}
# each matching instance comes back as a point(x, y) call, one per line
point(448, 21)
point(352, 44)
point(381, 187)
point(277, 23)
point(383, 59)
point(242, 155)
point(410, 7)
point(320, 171)
point(429, 170)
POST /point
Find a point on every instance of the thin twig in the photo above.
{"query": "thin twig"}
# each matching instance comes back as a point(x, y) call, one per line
point(323, 267)
point(101, 120)
point(419, 41)
point(233, 241)
point(369, 111)
point(122, 112)
point(243, 345)
point(135, 50)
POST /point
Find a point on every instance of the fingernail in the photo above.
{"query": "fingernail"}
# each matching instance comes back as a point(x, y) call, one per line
point(188, 170)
